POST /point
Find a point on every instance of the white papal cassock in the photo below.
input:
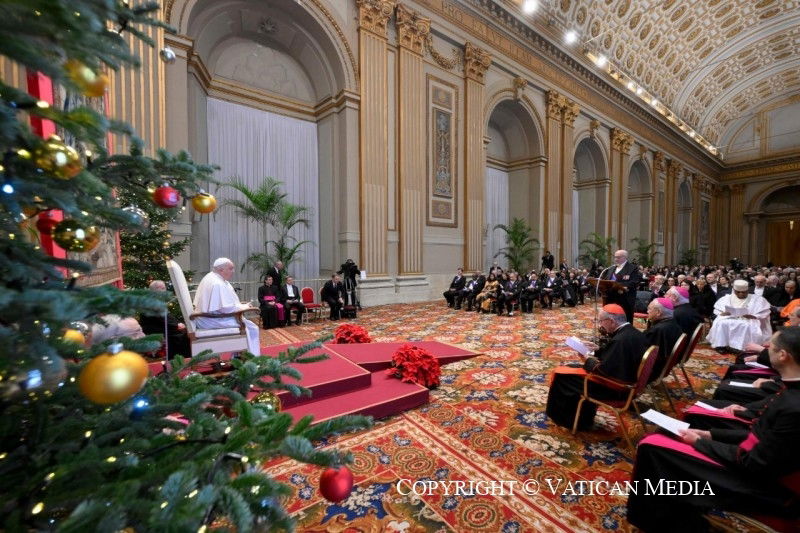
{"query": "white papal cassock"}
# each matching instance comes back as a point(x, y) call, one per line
point(216, 295)
point(738, 332)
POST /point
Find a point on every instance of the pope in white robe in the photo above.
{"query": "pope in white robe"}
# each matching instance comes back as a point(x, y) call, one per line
point(215, 294)
point(751, 325)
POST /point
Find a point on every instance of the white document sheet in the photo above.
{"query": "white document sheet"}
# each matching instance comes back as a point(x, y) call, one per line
point(672, 425)
point(735, 311)
point(576, 344)
point(704, 405)
point(754, 364)
point(742, 384)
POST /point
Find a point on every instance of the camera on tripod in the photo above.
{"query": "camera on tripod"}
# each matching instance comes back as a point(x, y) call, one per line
point(349, 270)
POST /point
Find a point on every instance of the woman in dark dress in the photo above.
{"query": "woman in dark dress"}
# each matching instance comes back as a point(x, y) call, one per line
point(268, 299)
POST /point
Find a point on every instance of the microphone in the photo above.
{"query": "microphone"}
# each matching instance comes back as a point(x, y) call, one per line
point(596, 297)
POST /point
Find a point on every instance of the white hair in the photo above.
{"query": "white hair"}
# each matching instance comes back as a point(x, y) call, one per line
point(221, 262)
point(157, 285)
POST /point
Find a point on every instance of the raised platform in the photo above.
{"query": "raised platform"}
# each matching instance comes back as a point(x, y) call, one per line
point(378, 355)
point(352, 381)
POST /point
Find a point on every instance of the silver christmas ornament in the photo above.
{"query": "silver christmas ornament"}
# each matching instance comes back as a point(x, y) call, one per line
point(167, 55)
point(141, 221)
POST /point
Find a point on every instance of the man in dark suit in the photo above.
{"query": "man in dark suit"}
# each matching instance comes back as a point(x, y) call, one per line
point(290, 298)
point(333, 294)
point(471, 290)
point(276, 273)
point(548, 261)
point(529, 293)
point(627, 274)
point(451, 294)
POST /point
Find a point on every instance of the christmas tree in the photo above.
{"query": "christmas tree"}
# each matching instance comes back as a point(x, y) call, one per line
point(143, 252)
point(87, 442)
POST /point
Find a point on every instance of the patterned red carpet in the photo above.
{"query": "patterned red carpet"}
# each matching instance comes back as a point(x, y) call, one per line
point(486, 422)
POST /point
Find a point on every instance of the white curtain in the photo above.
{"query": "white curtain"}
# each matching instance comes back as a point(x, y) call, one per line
point(252, 145)
point(496, 209)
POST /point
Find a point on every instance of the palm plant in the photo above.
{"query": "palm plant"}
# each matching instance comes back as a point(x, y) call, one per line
point(288, 216)
point(688, 257)
point(645, 251)
point(596, 248)
point(267, 206)
point(520, 246)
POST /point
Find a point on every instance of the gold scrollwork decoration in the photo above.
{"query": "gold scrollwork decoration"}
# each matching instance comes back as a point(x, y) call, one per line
point(442, 61)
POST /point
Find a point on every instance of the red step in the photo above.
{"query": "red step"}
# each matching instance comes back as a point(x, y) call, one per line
point(378, 355)
point(329, 377)
point(386, 396)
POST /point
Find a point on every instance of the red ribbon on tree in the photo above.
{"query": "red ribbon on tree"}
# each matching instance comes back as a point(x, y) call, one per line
point(351, 334)
point(415, 365)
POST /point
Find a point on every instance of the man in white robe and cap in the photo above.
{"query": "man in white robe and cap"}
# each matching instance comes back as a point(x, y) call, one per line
point(215, 294)
point(742, 318)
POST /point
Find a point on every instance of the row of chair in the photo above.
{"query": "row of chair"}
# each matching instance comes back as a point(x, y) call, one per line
point(681, 352)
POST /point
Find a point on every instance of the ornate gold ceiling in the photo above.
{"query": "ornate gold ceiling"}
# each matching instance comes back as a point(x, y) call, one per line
point(711, 61)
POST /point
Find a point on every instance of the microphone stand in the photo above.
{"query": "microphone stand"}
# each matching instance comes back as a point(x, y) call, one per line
point(596, 297)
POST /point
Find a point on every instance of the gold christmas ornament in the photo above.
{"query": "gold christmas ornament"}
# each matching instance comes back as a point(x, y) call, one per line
point(88, 81)
point(269, 399)
point(73, 335)
point(204, 203)
point(57, 158)
point(114, 376)
point(73, 236)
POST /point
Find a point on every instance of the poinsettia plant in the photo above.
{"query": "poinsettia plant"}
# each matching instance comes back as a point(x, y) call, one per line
point(415, 365)
point(351, 334)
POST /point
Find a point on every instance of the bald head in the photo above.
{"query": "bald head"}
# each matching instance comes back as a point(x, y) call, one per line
point(157, 285)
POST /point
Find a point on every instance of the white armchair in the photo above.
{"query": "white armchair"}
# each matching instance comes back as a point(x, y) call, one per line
point(218, 340)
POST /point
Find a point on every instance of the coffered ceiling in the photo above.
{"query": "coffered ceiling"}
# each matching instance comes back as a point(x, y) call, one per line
point(713, 62)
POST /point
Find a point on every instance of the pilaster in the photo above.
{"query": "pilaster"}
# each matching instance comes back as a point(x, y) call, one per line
point(373, 16)
point(476, 62)
point(736, 220)
point(569, 112)
point(412, 30)
point(552, 189)
point(620, 162)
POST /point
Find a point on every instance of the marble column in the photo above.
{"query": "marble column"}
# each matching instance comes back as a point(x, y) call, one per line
point(656, 172)
point(412, 31)
point(476, 62)
point(620, 162)
point(373, 15)
point(697, 185)
point(552, 187)
point(752, 256)
point(569, 112)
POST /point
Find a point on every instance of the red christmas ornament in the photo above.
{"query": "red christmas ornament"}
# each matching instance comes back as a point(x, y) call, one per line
point(166, 196)
point(335, 484)
point(47, 222)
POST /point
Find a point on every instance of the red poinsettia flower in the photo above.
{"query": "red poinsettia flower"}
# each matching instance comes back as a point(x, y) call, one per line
point(415, 365)
point(351, 334)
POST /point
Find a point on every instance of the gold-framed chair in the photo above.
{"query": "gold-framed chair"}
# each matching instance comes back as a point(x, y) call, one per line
point(633, 391)
point(693, 341)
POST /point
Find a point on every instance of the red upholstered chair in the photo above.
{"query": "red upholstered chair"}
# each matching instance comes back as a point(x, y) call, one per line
point(640, 316)
point(693, 340)
point(307, 297)
point(634, 390)
point(678, 350)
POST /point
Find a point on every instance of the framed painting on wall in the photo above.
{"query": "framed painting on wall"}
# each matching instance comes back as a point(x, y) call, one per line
point(442, 125)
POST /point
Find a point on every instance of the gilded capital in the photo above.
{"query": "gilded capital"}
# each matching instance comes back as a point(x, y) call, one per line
point(373, 15)
point(738, 188)
point(593, 125)
point(555, 101)
point(621, 140)
point(570, 112)
point(658, 161)
point(476, 62)
point(673, 169)
point(412, 29)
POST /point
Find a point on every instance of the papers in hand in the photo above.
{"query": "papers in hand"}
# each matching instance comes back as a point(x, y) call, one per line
point(735, 311)
point(576, 344)
point(754, 364)
point(707, 407)
point(672, 425)
point(742, 384)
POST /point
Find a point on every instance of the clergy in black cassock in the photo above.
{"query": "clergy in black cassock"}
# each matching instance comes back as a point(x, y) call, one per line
point(662, 332)
point(619, 359)
point(685, 315)
point(627, 274)
point(755, 471)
